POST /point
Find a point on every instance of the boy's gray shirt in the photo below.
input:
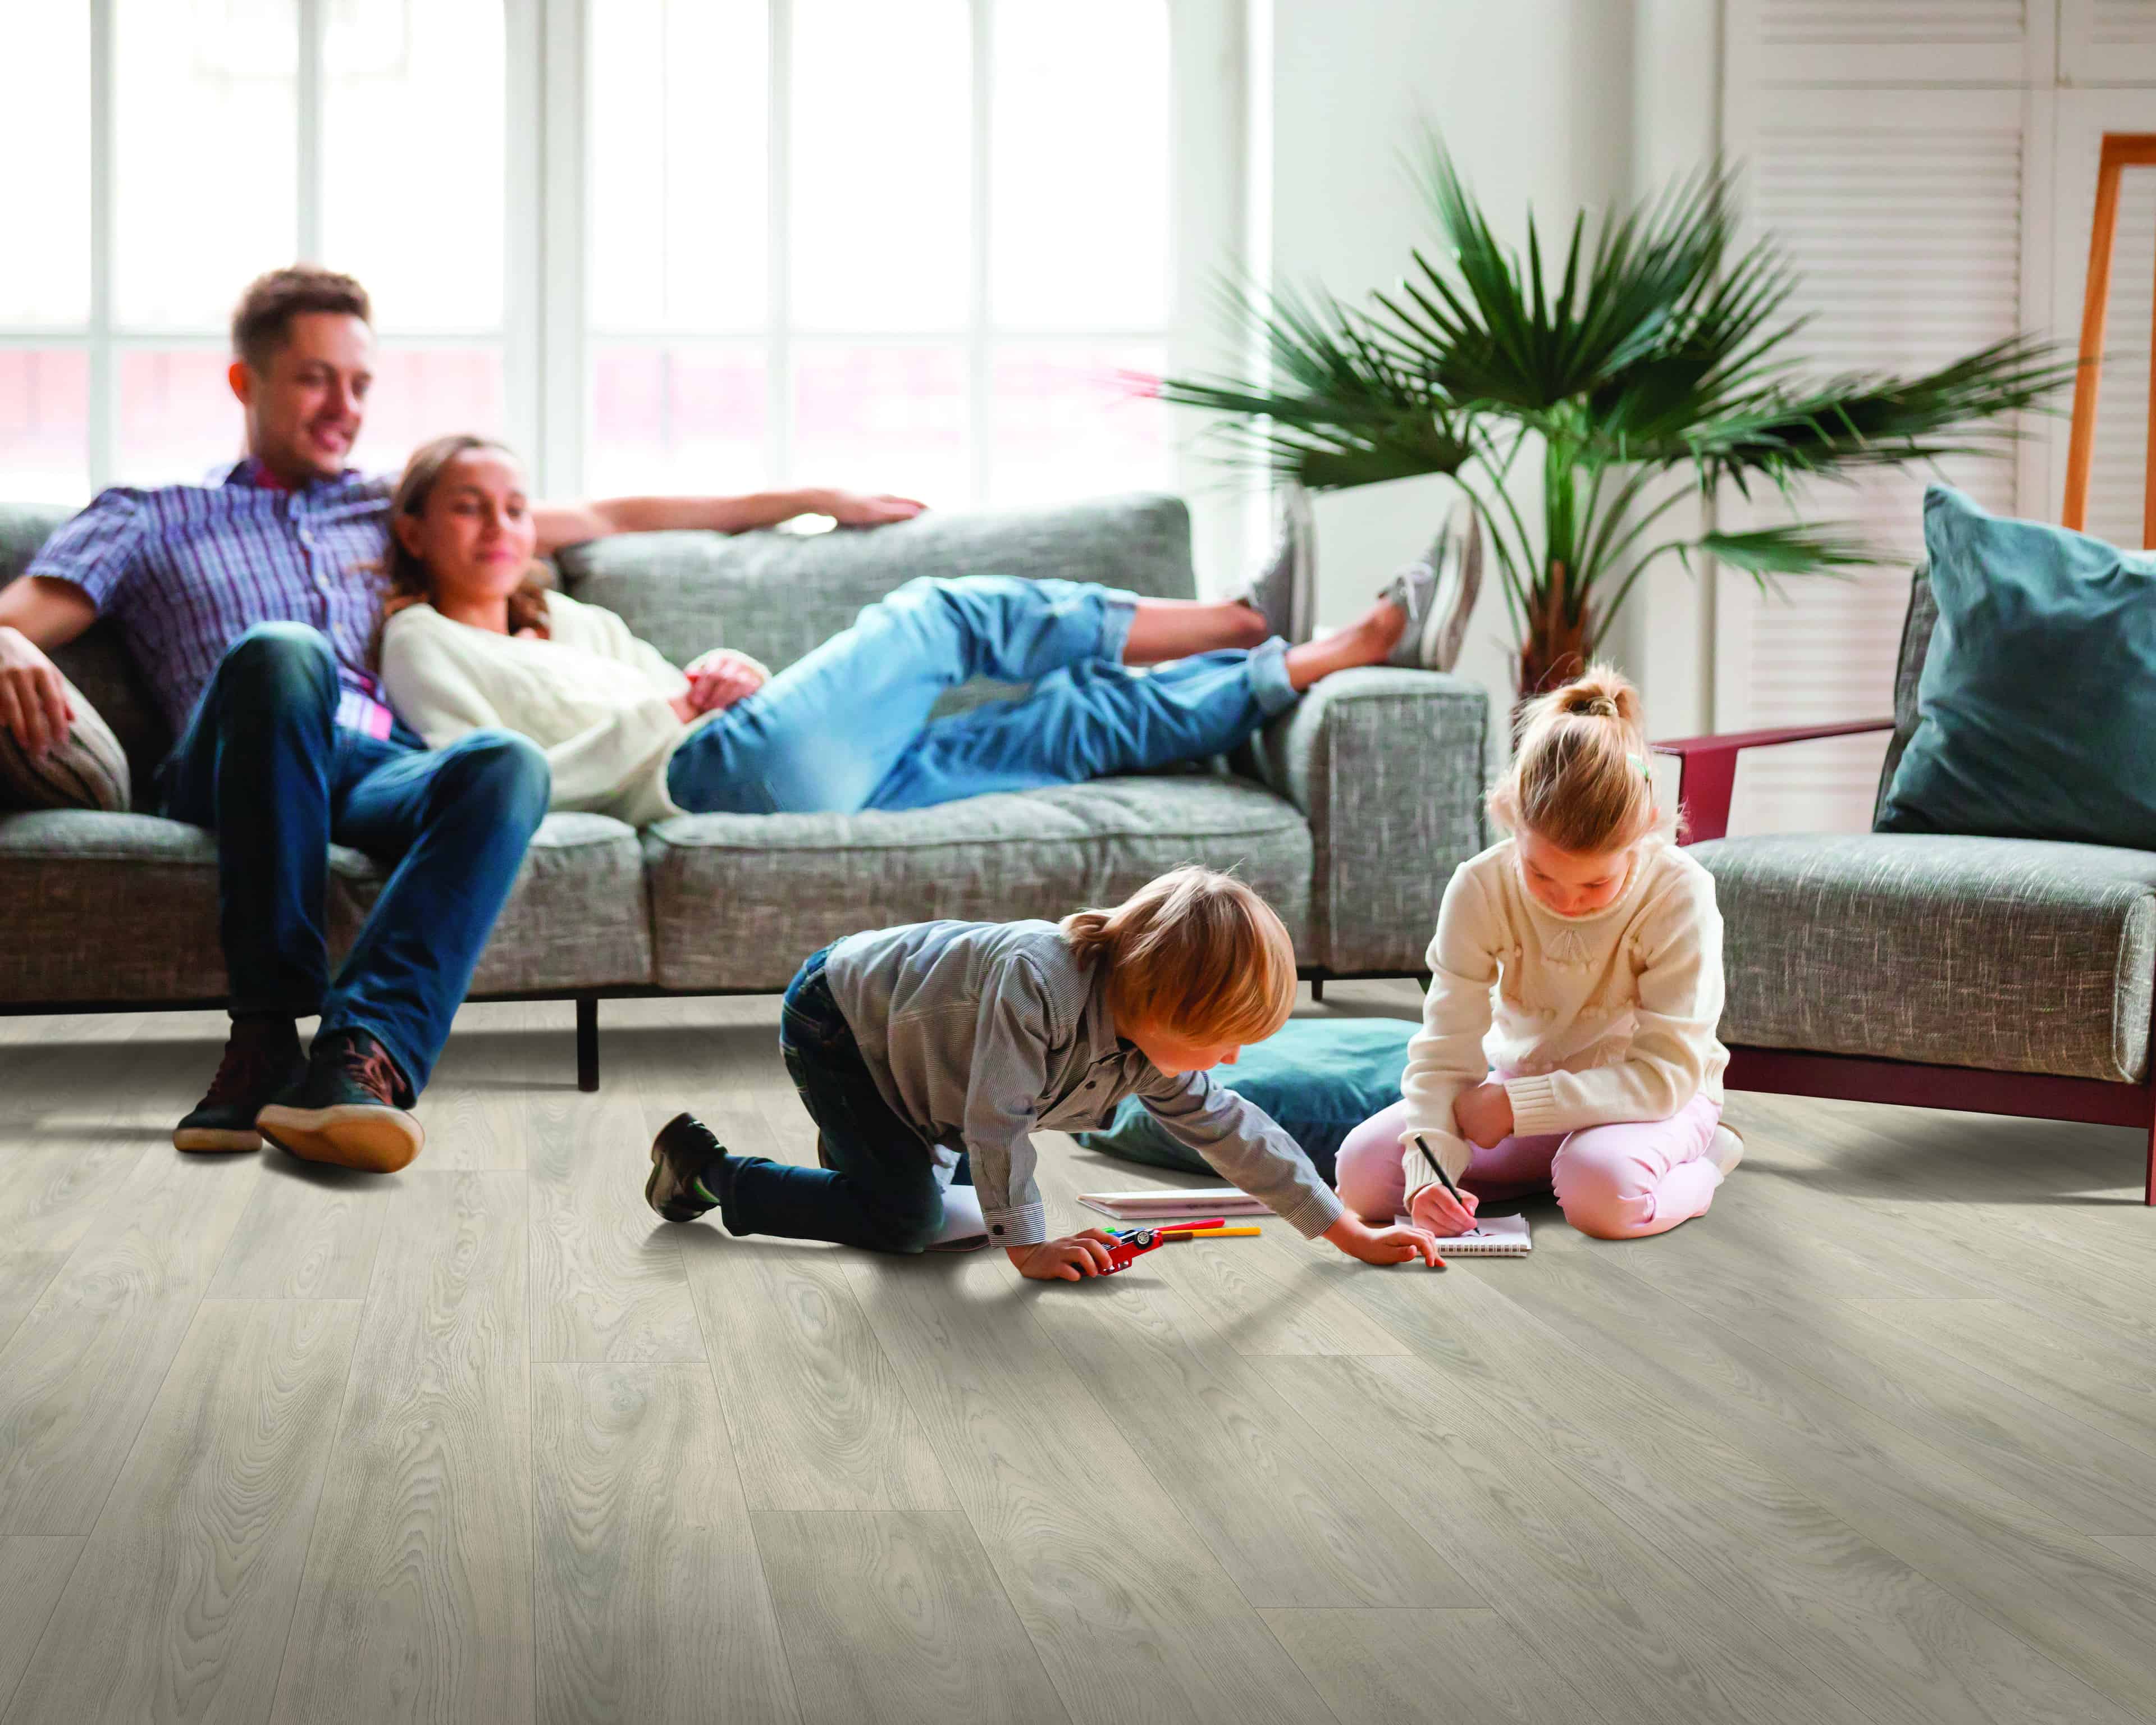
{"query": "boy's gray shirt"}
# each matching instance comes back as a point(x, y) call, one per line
point(977, 1033)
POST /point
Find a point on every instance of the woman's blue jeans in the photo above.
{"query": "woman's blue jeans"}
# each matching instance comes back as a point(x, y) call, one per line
point(847, 728)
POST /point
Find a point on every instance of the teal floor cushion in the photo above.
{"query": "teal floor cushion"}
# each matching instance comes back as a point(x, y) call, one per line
point(1320, 1078)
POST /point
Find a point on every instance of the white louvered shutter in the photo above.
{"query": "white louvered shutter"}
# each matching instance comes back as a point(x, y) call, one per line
point(2117, 472)
point(1909, 215)
point(2108, 41)
point(1900, 42)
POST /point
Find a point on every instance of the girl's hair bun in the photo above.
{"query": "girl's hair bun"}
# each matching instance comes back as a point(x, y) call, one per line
point(1578, 779)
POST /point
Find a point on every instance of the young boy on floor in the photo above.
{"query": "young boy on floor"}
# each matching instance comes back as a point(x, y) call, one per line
point(910, 1044)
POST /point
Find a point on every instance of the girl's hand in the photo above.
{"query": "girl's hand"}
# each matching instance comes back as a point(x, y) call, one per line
point(685, 708)
point(721, 677)
point(1484, 1115)
point(1433, 1209)
point(1073, 1258)
point(1382, 1246)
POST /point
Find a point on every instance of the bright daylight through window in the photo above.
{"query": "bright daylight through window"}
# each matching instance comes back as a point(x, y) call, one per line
point(825, 241)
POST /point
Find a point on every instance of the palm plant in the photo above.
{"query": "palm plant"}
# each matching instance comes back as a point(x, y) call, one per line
point(1666, 349)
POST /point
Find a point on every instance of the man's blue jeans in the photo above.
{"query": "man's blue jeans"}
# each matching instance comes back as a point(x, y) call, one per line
point(846, 727)
point(263, 764)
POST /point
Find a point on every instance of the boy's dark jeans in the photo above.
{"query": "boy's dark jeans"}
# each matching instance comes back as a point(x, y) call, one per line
point(880, 1190)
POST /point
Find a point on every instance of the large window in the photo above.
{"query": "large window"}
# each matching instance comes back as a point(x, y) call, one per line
point(904, 246)
point(708, 245)
point(182, 147)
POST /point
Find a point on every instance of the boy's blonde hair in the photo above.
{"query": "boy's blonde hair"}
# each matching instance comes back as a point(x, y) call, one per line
point(1194, 954)
point(1578, 779)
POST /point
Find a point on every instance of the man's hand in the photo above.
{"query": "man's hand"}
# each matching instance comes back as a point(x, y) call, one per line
point(1434, 1209)
point(721, 677)
point(850, 508)
point(35, 708)
point(1382, 1246)
point(1484, 1115)
point(1073, 1258)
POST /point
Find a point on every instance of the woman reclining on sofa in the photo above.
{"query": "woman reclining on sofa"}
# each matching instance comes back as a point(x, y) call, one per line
point(472, 640)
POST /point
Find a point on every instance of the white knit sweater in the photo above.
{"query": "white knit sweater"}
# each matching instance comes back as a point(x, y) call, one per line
point(1606, 1017)
point(592, 696)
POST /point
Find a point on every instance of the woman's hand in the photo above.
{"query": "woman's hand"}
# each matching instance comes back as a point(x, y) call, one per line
point(720, 678)
point(1433, 1208)
point(1484, 1115)
point(850, 508)
point(1073, 1258)
point(1382, 1246)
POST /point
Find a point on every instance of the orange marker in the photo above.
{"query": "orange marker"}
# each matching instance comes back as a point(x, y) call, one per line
point(1215, 1233)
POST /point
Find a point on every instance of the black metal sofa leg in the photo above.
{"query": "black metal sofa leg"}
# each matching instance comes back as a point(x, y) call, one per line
point(588, 1042)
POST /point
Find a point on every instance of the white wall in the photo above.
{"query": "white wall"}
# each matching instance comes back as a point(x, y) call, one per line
point(1541, 105)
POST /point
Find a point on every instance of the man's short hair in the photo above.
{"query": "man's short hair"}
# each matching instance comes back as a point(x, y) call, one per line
point(263, 319)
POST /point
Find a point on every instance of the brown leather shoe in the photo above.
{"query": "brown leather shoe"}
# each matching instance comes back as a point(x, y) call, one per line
point(351, 1109)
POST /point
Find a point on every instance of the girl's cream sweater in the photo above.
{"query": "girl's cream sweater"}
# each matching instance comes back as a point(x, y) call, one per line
point(1606, 1017)
point(594, 697)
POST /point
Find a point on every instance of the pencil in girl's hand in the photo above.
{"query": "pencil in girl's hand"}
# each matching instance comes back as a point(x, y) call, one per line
point(1437, 1167)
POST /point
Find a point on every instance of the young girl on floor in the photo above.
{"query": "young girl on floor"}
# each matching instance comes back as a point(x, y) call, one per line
point(1595, 1070)
point(908, 1044)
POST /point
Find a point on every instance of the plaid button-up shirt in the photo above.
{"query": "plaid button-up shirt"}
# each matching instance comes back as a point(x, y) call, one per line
point(185, 570)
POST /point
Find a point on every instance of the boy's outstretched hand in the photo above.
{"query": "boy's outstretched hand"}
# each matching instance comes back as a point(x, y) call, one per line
point(1382, 1246)
point(1073, 1258)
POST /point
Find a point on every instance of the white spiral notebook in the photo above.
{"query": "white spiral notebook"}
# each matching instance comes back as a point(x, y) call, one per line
point(1492, 1237)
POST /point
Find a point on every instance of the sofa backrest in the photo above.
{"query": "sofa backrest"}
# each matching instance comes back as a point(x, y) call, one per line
point(1918, 623)
point(97, 661)
point(775, 595)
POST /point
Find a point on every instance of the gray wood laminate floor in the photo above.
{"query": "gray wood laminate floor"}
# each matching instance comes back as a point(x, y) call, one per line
point(1875, 1441)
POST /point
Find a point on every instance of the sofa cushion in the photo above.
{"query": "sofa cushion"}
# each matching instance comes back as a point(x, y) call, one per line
point(577, 918)
point(1918, 623)
point(124, 907)
point(85, 769)
point(2012, 954)
point(102, 906)
point(775, 595)
point(2038, 699)
point(96, 661)
point(738, 901)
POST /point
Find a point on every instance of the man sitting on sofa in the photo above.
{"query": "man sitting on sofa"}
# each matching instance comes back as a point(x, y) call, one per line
point(250, 605)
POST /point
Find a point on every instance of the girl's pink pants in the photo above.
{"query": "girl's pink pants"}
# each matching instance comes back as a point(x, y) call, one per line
point(1616, 1182)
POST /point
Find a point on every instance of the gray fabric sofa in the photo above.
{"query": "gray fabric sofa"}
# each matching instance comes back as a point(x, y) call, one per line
point(2005, 976)
point(1349, 813)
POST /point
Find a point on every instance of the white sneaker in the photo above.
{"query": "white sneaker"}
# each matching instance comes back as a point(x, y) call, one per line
point(1438, 592)
point(1284, 592)
point(1727, 1150)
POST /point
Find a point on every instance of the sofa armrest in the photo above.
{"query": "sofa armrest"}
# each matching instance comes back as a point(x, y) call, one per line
point(1388, 768)
point(1706, 772)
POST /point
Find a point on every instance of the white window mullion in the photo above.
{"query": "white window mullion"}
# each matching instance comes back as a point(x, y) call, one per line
point(312, 63)
point(523, 350)
point(560, 232)
point(103, 373)
point(979, 356)
point(778, 353)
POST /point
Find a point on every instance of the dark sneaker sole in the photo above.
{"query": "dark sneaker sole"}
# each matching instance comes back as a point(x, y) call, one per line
point(368, 1137)
point(216, 1141)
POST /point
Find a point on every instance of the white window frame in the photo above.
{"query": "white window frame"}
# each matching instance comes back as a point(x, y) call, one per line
point(545, 335)
point(1208, 126)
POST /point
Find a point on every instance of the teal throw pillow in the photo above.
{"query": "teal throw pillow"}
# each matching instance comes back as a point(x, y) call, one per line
point(2036, 711)
point(1320, 1078)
